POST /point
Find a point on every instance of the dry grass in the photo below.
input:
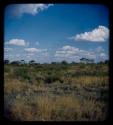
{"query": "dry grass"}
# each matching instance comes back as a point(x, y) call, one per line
point(93, 110)
point(91, 80)
point(46, 109)
point(15, 85)
point(38, 100)
point(21, 111)
point(67, 108)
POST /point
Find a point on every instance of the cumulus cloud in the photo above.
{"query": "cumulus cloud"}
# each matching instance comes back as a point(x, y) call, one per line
point(17, 42)
point(32, 9)
point(99, 34)
point(66, 51)
point(69, 48)
point(45, 54)
point(33, 50)
point(99, 49)
point(30, 54)
point(17, 55)
point(8, 49)
point(103, 56)
point(74, 54)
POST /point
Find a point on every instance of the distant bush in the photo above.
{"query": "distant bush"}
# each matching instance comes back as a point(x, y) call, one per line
point(15, 63)
point(88, 73)
point(22, 73)
point(64, 62)
point(52, 78)
point(6, 69)
point(6, 61)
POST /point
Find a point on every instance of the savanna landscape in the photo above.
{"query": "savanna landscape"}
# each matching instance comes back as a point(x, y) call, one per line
point(56, 92)
point(56, 62)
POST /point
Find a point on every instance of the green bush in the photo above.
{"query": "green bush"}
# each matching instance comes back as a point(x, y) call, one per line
point(22, 73)
point(6, 69)
point(52, 78)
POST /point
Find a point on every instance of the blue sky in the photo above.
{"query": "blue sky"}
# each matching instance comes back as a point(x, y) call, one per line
point(56, 32)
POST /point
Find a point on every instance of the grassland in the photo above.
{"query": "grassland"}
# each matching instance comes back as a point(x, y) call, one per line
point(56, 92)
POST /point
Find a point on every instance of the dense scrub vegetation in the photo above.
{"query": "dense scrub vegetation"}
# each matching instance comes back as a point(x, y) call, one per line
point(56, 92)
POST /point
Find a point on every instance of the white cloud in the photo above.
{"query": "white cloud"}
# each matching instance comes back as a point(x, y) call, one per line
point(72, 52)
point(8, 49)
point(102, 54)
point(45, 54)
point(32, 9)
point(69, 48)
point(32, 50)
point(66, 51)
point(99, 34)
point(17, 42)
point(17, 55)
point(99, 49)
point(30, 54)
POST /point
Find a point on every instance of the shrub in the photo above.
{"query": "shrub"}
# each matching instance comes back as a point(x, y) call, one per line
point(53, 77)
point(82, 96)
point(6, 69)
point(22, 73)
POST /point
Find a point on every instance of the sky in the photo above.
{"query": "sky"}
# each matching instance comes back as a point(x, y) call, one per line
point(55, 32)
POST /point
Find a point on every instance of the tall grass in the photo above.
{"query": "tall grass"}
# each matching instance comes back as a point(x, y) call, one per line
point(67, 108)
point(57, 92)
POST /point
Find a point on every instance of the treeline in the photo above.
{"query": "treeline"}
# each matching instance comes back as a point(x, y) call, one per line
point(34, 62)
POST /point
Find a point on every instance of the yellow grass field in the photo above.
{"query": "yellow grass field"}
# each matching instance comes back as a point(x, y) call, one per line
point(56, 92)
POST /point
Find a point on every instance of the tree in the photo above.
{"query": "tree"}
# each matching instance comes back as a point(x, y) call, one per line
point(64, 62)
point(6, 61)
point(106, 62)
point(32, 62)
point(53, 63)
point(15, 62)
point(73, 62)
point(22, 62)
